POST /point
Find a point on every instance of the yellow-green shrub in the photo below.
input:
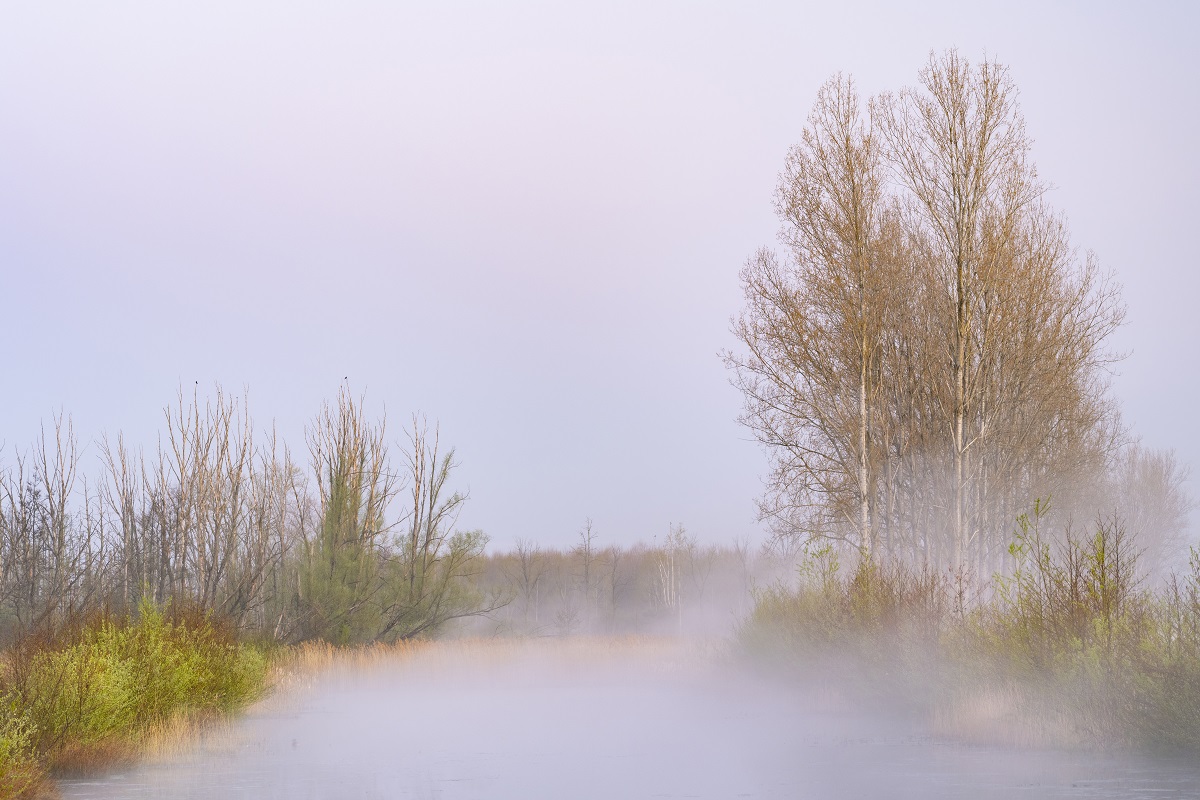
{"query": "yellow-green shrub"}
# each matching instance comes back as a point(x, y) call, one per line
point(19, 768)
point(113, 677)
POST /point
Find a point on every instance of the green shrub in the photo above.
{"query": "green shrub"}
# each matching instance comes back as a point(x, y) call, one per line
point(113, 677)
point(19, 768)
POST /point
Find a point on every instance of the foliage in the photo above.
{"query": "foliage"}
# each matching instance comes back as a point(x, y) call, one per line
point(362, 579)
point(674, 585)
point(225, 521)
point(103, 681)
point(19, 768)
point(876, 627)
point(1072, 636)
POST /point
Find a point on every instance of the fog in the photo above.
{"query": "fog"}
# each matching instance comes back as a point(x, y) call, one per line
point(596, 718)
point(527, 223)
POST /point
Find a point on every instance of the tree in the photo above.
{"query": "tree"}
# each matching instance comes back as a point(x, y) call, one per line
point(928, 358)
point(44, 552)
point(1019, 322)
point(429, 568)
point(1148, 490)
point(363, 577)
point(612, 557)
point(815, 325)
point(340, 577)
point(585, 552)
point(527, 576)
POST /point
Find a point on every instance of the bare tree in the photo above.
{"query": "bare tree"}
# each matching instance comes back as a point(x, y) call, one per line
point(814, 326)
point(670, 564)
point(612, 557)
point(530, 569)
point(1148, 492)
point(122, 492)
point(46, 567)
point(585, 552)
point(929, 357)
point(430, 570)
point(219, 521)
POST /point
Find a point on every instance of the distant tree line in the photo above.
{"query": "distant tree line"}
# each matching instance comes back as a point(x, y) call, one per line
point(928, 355)
point(674, 585)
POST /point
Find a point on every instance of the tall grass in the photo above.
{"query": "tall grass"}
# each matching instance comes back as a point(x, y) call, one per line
point(81, 699)
point(1071, 648)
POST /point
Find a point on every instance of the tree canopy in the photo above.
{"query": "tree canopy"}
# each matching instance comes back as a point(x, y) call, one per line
point(927, 355)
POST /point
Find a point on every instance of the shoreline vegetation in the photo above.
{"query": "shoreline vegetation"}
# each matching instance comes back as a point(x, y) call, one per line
point(1072, 650)
point(923, 354)
point(144, 607)
point(164, 593)
point(107, 690)
point(926, 355)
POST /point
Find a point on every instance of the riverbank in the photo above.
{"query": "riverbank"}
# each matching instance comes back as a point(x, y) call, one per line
point(108, 690)
point(1070, 650)
point(588, 718)
point(573, 716)
point(120, 694)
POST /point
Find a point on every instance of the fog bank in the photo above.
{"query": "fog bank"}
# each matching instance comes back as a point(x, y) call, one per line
point(596, 718)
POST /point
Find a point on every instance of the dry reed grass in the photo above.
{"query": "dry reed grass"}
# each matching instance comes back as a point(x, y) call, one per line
point(1007, 716)
point(297, 671)
point(298, 668)
point(29, 783)
point(158, 742)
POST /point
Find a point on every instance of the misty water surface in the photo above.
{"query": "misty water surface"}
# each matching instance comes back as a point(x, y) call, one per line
point(594, 720)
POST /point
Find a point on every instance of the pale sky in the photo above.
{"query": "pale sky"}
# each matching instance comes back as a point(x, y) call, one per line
point(525, 220)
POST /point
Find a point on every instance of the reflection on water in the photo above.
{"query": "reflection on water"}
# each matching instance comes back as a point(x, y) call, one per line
point(541, 724)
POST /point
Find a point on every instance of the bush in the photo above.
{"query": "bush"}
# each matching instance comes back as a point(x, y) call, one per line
point(19, 768)
point(104, 681)
point(1071, 639)
point(875, 628)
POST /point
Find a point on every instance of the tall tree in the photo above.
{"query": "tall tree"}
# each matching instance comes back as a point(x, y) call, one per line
point(356, 485)
point(1021, 323)
point(815, 324)
point(960, 148)
point(429, 567)
point(928, 358)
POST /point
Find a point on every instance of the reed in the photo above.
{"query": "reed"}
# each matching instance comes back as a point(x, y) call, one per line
point(1070, 649)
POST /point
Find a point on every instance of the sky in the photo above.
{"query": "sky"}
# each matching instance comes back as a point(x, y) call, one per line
point(523, 220)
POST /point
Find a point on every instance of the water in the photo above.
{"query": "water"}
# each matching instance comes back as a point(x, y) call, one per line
point(566, 721)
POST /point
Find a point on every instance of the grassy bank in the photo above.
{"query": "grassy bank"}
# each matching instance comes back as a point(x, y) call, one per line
point(101, 692)
point(1071, 649)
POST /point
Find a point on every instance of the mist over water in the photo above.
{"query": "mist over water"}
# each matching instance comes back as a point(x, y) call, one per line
point(595, 718)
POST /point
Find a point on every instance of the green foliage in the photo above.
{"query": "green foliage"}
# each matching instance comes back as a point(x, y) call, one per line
point(423, 593)
point(1085, 600)
point(339, 581)
point(112, 678)
point(19, 768)
point(361, 579)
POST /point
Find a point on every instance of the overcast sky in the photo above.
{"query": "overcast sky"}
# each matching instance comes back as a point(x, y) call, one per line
point(525, 220)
